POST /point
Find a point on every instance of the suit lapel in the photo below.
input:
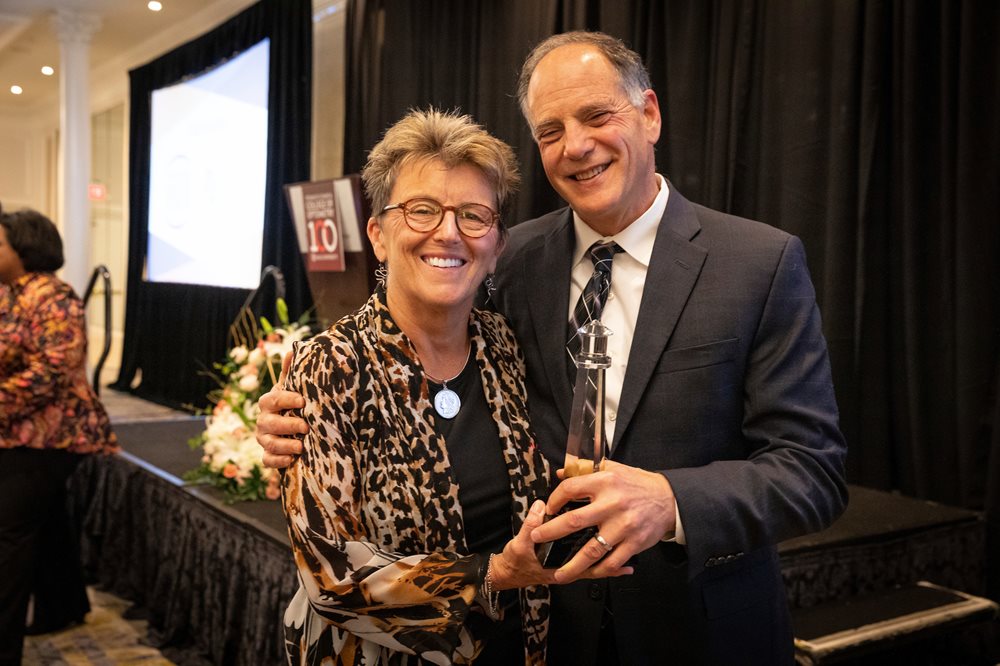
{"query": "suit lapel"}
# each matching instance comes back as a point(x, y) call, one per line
point(673, 271)
point(546, 278)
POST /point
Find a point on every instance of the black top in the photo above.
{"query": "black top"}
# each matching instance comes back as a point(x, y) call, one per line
point(479, 469)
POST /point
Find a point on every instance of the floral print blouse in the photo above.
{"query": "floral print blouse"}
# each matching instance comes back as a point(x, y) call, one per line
point(46, 401)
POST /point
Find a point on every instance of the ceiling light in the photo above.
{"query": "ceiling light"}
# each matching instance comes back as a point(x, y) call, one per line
point(155, 5)
point(17, 90)
point(48, 71)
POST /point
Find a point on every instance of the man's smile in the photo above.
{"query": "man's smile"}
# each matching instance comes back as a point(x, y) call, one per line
point(590, 173)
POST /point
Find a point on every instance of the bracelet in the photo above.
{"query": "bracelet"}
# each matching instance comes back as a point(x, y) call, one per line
point(491, 596)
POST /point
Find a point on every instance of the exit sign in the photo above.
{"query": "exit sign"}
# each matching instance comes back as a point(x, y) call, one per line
point(97, 192)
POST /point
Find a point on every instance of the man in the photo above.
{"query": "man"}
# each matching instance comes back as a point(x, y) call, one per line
point(720, 408)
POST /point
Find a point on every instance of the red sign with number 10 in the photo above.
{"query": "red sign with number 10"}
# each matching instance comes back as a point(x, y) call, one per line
point(325, 251)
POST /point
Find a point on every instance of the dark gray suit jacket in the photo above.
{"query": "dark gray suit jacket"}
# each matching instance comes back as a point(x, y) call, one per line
point(728, 394)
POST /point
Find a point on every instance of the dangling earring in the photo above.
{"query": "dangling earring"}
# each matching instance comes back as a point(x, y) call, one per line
point(381, 274)
point(490, 287)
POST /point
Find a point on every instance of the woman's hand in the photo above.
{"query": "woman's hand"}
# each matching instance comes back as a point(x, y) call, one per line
point(518, 566)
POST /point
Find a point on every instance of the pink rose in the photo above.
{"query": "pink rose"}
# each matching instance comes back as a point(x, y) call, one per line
point(230, 471)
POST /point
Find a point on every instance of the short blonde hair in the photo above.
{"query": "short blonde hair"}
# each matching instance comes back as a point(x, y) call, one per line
point(454, 139)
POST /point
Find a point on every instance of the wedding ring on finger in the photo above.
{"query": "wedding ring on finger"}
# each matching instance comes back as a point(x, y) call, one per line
point(604, 543)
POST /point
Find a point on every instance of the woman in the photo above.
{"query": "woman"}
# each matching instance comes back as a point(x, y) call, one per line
point(409, 508)
point(49, 418)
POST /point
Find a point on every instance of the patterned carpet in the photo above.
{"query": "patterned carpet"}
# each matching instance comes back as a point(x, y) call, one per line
point(105, 639)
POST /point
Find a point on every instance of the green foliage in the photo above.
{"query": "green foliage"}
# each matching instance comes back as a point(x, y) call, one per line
point(252, 489)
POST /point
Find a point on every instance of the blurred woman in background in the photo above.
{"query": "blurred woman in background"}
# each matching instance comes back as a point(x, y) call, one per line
point(49, 418)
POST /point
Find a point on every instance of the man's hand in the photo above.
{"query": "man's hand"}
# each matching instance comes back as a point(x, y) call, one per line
point(632, 508)
point(276, 432)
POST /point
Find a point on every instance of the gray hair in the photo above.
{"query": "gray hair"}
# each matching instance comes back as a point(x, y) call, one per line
point(632, 73)
point(453, 138)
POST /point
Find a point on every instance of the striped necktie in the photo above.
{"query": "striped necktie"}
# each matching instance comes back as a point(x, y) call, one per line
point(592, 299)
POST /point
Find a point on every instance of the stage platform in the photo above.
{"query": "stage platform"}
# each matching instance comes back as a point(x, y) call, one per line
point(217, 577)
point(212, 577)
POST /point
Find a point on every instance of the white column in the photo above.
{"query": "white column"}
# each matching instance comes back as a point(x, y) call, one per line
point(74, 30)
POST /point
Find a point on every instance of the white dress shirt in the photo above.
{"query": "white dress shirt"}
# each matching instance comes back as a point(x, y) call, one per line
point(628, 280)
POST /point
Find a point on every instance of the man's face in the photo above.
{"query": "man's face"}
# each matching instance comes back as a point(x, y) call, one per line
point(596, 147)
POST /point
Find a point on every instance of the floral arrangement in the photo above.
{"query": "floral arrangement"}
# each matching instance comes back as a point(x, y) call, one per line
point(232, 460)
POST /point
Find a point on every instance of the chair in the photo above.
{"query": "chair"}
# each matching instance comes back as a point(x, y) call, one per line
point(244, 327)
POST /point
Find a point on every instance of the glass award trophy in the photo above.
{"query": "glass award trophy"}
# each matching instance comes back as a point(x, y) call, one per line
point(585, 444)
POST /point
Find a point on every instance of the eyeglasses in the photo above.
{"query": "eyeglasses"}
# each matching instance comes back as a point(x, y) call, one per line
point(474, 220)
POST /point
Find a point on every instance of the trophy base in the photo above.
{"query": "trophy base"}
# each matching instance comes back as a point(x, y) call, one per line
point(554, 554)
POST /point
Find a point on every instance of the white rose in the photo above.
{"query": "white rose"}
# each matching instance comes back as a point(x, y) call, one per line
point(242, 471)
point(257, 357)
point(249, 383)
point(286, 339)
point(210, 446)
point(219, 460)
point(222, 424)
point(250, 449)
point(239, 354)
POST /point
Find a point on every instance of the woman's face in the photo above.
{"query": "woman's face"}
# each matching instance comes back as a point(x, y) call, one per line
point(11, 267)
point(440, 269)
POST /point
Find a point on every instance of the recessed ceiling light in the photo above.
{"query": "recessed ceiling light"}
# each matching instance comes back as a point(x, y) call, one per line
point(17, 90)
point(155, 5)
point(48, 71)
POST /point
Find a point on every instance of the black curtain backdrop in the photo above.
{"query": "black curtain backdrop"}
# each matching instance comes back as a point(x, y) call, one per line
point(173, 332)
point(869, 129)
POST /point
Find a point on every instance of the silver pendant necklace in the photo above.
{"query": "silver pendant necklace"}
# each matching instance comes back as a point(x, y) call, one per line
point(446, 402)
